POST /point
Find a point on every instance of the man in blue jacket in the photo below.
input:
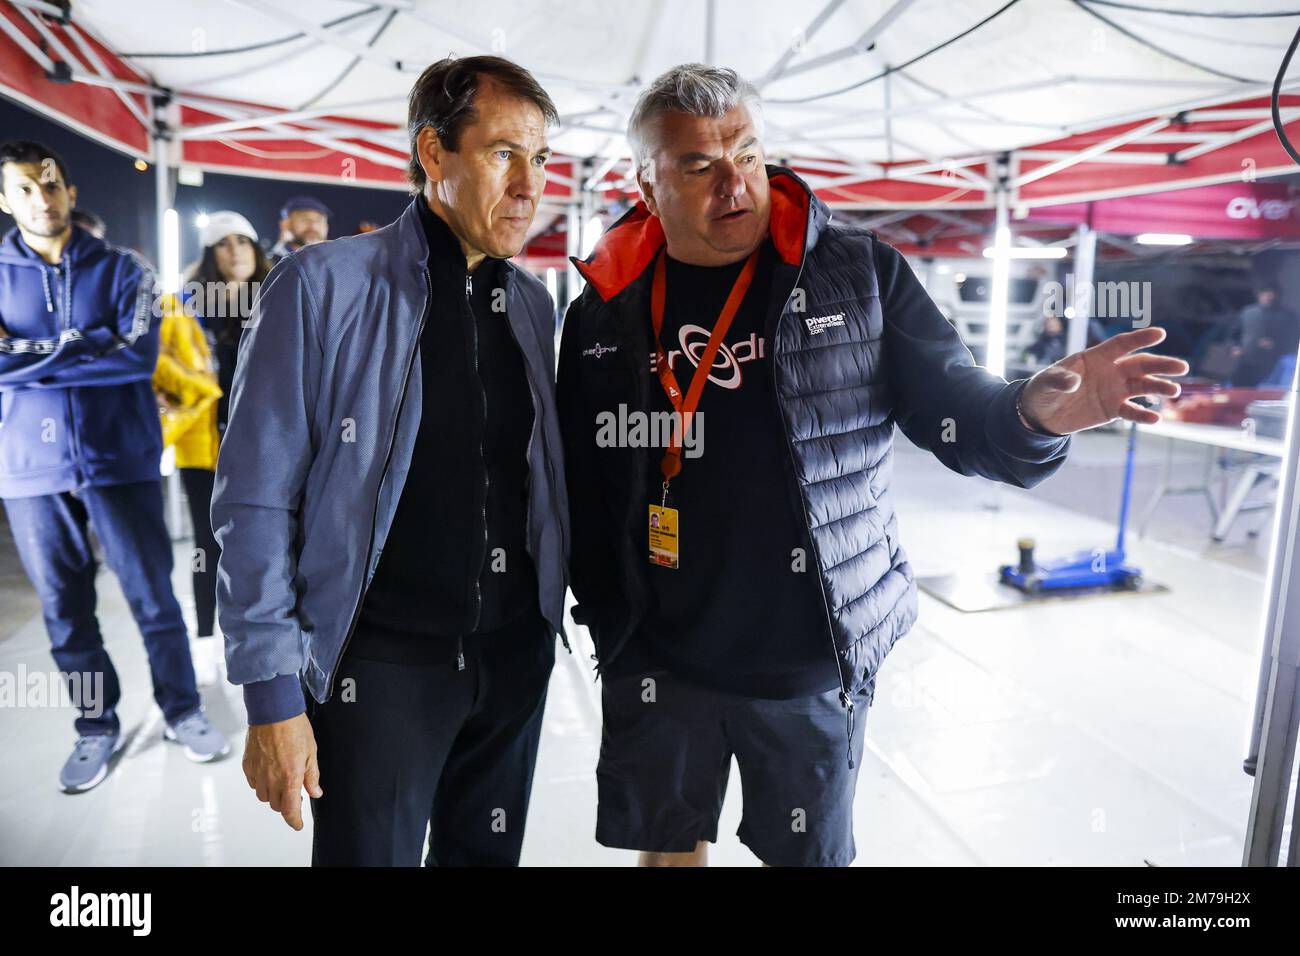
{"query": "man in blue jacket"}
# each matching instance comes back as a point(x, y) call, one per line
point(744, 591)
point(390, 504)
point(80, 443)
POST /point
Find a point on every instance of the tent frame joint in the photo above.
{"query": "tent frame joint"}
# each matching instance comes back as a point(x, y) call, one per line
point(60, 71)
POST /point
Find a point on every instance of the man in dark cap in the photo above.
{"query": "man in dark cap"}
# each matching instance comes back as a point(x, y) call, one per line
point(304, 220)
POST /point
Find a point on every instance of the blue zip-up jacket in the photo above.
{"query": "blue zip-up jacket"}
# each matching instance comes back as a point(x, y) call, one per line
point(326, 405)
point(77, 407)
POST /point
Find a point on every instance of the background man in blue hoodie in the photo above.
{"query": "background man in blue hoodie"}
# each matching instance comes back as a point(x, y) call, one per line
point(80, 443)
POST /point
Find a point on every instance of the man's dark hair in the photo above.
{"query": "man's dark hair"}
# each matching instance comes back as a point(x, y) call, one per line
point(27, 151)
point(443, 97)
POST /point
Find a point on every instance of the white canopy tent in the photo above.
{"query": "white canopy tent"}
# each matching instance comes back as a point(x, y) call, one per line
point(1034, 70)
point(918, 92)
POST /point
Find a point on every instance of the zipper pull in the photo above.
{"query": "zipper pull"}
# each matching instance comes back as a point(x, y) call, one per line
point(469, 285)
point(460, 653)
point(847, 702)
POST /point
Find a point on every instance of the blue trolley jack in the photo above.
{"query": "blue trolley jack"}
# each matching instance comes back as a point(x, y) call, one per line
point(1083, 570)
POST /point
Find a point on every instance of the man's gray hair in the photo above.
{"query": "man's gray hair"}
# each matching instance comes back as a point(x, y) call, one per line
point(693, 88)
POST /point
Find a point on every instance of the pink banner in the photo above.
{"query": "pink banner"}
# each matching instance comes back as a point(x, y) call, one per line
point(1244, 210)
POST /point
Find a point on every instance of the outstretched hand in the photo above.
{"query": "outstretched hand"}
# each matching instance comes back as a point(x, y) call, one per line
point(1092, 387)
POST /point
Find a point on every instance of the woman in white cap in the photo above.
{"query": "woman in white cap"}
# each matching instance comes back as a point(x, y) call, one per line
point(225, 280)
point(199, 344)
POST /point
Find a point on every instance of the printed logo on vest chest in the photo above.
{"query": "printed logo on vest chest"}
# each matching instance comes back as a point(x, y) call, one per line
point(599, 351)
point(817, 324)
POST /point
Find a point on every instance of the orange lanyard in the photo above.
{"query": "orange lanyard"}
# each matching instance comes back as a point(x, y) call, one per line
point(671, 465)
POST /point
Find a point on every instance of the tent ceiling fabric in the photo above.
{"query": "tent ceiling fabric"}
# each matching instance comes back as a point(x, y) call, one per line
point(1028, 72)
point(1069, 68)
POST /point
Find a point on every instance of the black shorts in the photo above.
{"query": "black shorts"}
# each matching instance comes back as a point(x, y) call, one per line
point(665, 755)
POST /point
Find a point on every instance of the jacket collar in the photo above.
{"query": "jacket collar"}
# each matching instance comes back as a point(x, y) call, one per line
point(414, 234)
point(81, 245)
point(442, 241)
point(631, 244)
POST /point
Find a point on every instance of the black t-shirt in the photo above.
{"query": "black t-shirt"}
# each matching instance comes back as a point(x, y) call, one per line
point(744, 612)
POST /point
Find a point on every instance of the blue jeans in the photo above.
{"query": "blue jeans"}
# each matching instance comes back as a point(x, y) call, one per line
point(53, 540)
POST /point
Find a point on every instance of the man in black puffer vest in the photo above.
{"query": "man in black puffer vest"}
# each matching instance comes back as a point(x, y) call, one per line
point(742, 600)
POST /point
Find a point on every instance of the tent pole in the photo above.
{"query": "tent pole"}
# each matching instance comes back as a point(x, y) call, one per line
point(1085, 259)
point(163, 282)
point(1277, 705)
point(573, 245)
point(161, 201)
point(160, 136)
point(711, 32)
point(576, 224)
point(995, 358)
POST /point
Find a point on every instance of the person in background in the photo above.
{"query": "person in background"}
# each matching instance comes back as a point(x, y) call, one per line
point(229, 274)
point(185, 383)
point(80, 448)
point(1050, 345)
point(90, 222)
point(1268, 332)
point(304, 221)
point(219, 291)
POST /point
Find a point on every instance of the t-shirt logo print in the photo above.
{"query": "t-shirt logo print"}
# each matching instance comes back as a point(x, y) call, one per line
point(726, 371)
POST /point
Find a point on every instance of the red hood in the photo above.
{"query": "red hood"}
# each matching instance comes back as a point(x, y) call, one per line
point(632, 243)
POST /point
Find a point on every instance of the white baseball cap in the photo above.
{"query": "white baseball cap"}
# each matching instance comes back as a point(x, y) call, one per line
point(225, 223)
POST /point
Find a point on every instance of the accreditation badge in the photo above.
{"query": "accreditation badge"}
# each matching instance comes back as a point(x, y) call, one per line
point(663, 537)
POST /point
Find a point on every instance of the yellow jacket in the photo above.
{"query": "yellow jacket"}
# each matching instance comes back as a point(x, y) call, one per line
point(185, 383)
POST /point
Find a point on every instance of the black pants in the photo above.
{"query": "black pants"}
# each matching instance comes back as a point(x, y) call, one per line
point(203, 560)
point(403, 745)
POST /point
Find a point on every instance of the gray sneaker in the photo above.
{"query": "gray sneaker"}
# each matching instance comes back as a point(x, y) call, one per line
point(88, 765)
point(201, 740)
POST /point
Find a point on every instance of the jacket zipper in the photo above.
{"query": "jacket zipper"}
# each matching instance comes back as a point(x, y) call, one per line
point(539, 423)
point(63, 306)
point(845, 699)
point(374, 515)
point(478, 577)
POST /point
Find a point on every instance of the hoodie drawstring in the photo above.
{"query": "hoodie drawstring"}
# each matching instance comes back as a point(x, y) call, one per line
point(45, 282)
point(460, 653)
